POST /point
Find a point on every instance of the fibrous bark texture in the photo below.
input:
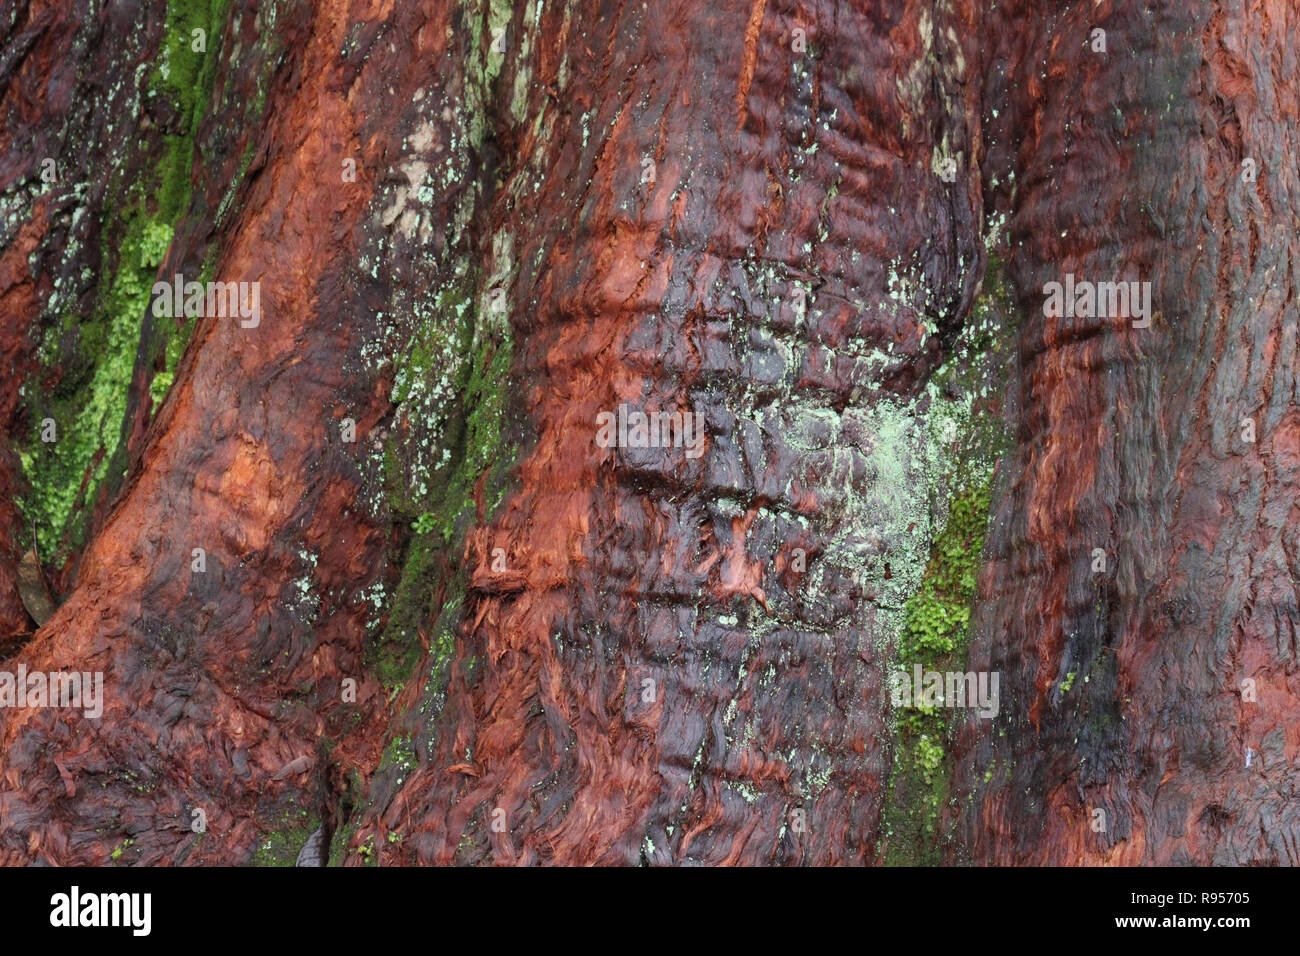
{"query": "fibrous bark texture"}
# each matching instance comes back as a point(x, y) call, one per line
point(1161, 691)
point(365, 565)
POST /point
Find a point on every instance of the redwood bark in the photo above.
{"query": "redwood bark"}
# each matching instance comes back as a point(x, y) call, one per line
point(1130, 165)
point(761, 736)
point(222, 685)
point(635, 655)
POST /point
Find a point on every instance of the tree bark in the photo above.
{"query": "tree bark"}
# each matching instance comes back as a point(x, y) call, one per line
point(365, 567)
point(1140, 689)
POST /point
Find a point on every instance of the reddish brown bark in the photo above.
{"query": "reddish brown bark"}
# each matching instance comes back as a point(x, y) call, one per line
point(18, 299)
point(1130, 165)
point(219, 681)
point(731, 209)
point(633, 566)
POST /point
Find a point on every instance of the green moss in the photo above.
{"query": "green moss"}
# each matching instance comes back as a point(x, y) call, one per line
point(395, 653)
point(340, 844)
point(452, 387)
point(929, 756)
point(937, 616)
point(95, 355)
point(485, 398)
point(121, 848)
point(433, 584)
point(183, 72)
point(935, 632)
point(367, 852)
point(89, 403)
point(400, 752)
point(186, 77)
point(281, 847)
point(437, 500)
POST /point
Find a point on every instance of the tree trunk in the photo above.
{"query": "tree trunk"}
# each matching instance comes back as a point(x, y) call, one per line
point(1160, 690)
point(366, 563)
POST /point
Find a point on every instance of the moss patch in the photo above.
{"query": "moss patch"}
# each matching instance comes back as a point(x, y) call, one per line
point(89, 360)
point(281, 847)
point(435, 498)
point(938, 615)
point(935, 634)
point(96, 359)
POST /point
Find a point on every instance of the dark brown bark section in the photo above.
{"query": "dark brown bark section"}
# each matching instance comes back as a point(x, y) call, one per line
point(18, 299)
point(1129, 165)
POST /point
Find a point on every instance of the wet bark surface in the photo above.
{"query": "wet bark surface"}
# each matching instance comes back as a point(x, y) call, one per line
point(361, 577)
point(1138, 690)
point(647, 678)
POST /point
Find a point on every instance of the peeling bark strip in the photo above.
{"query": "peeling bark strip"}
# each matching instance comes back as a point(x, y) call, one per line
point(753, 32)
point(391, 574)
